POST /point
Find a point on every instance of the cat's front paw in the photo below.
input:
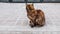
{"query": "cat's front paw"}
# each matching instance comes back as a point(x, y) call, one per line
point(31, 24)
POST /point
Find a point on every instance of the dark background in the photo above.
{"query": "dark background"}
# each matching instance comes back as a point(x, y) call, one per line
point(31, 1)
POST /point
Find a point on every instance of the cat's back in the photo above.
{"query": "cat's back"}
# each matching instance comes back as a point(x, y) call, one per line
point(40, 12)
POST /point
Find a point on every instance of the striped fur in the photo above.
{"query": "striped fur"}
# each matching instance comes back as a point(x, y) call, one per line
point(37, 17)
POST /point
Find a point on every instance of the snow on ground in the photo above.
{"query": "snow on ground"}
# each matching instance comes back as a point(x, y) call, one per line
point(13, 18)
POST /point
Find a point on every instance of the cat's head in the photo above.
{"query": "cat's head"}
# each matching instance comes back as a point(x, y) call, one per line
point(30, 10)
point(29, 6)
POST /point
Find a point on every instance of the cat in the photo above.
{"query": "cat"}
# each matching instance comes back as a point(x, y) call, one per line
point(37, 17)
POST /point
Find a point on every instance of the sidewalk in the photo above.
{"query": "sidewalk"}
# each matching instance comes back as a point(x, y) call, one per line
point(13, 18)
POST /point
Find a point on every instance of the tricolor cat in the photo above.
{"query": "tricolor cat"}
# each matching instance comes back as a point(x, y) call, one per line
point(37, 17)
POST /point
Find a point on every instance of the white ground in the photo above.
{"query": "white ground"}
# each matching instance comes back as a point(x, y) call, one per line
point(13, 18)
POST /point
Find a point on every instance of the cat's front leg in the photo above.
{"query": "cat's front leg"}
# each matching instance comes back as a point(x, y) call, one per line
point(31, 24)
